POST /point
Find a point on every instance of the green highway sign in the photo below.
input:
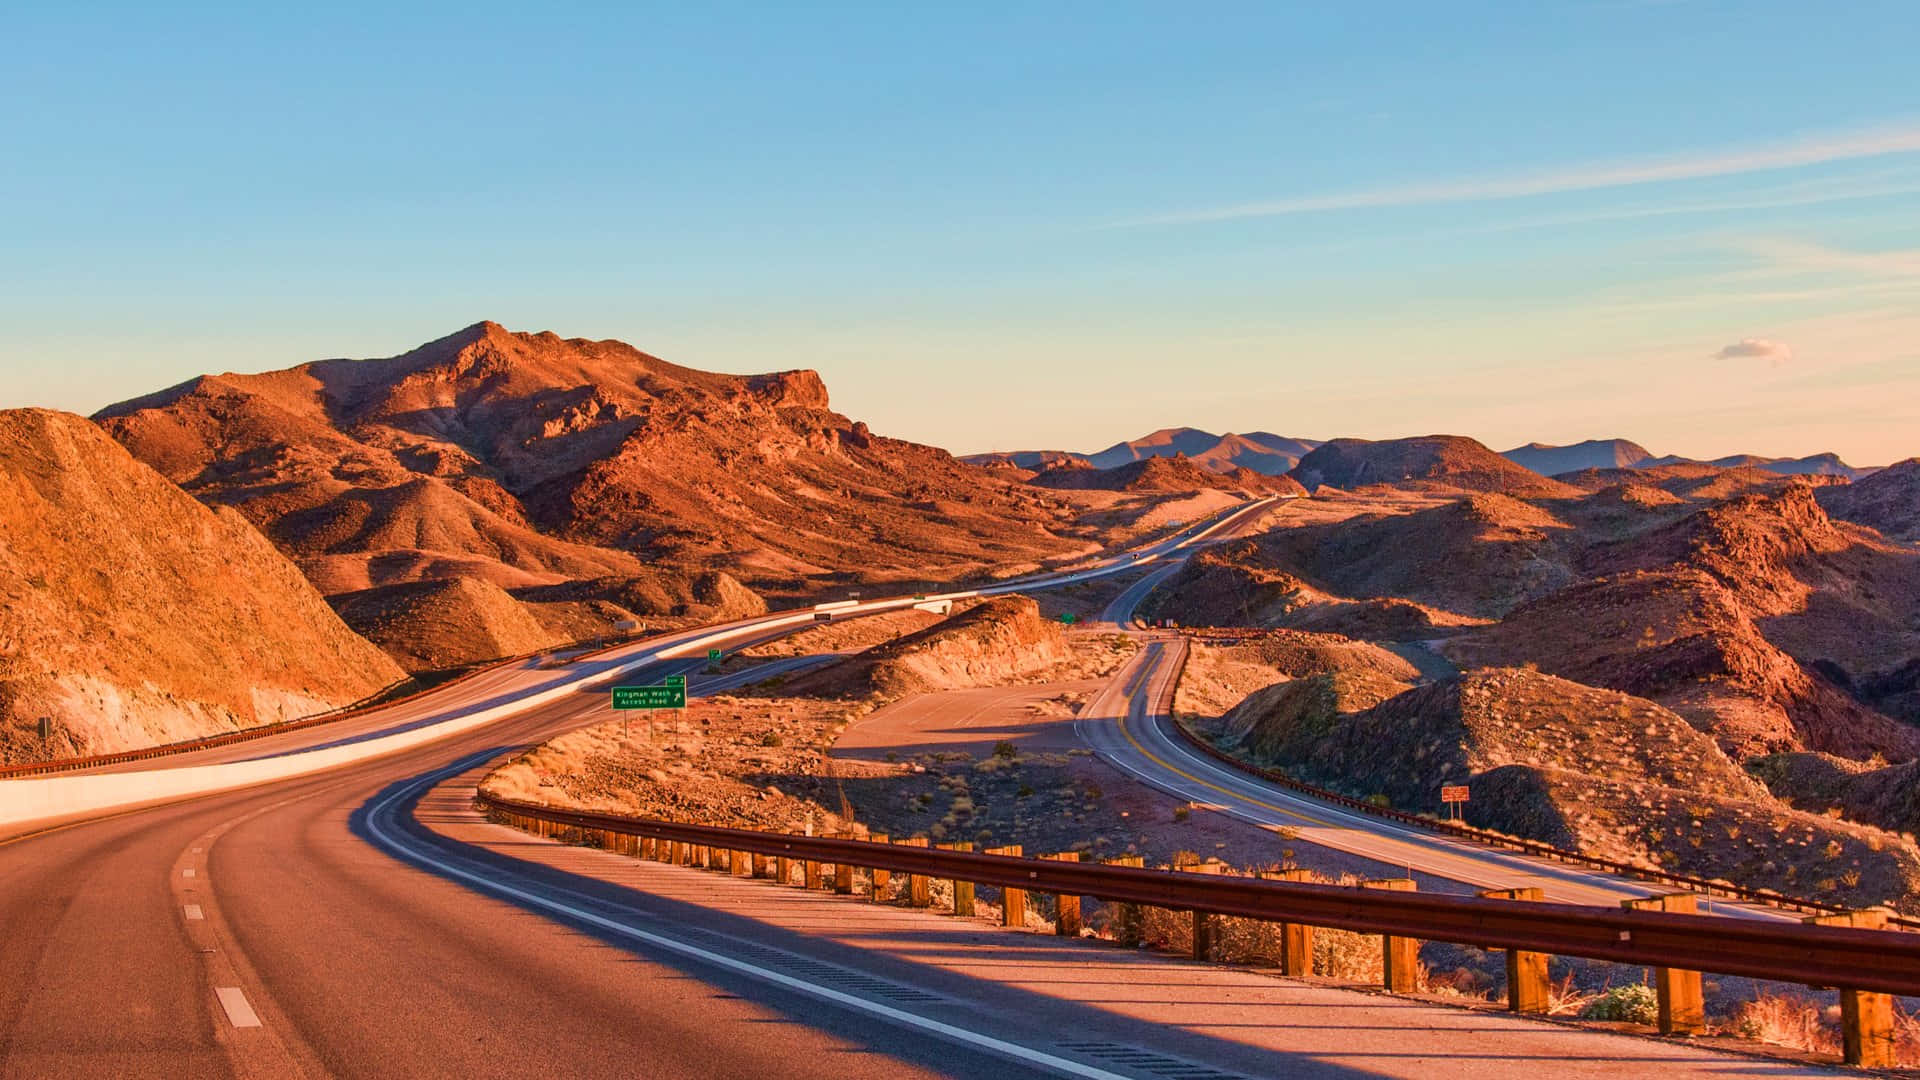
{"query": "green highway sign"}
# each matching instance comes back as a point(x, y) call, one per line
point(1069, 618)
point(713, 655)
point(676, 680)
point(650, 697)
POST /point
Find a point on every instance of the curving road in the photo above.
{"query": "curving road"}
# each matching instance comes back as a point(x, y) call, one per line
point(359, 921)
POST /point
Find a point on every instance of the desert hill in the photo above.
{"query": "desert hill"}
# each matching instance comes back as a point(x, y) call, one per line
point(1580, 767)
point(1888, 500)
point(132, 615)
point(1433, 462)
point(998, 641)
point(1177, 473)
point(528, 461)
point(1591, 454)
point(1259, 451)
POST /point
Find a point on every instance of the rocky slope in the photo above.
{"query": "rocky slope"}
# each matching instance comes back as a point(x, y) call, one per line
point(1603, 772)
point(1451, 463)
point(529, 460)
point(1888, 500)
point(1003, 640)
point(1751, 617)
point(132, 615)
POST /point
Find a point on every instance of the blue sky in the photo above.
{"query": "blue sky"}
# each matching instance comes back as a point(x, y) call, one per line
point(1689, 223)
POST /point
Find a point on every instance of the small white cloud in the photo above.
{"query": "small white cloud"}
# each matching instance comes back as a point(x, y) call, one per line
point(1774, 352)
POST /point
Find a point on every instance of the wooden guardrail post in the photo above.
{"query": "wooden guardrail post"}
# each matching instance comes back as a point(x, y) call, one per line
point(810, 873)
point(1527, 982)
point(963, 891)
point(783, 867)
point(1296, 939)
point(742, 863)
point(919, 892)
point(1066, 919)
point(1677, 992)
point(1866, 1018)
point(1203, 923)
point(878, 879)
point(1399, 956)
point(1127, 927)
point(1013, 902)
point(843, 871)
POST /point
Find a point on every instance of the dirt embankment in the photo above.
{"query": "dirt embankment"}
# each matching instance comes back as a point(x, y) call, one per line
point(132, 615)
point(1004, 640)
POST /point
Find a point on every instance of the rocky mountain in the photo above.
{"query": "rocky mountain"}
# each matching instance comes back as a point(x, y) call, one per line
point(1178, 473)
point(529, 461)
point(1432, 462)
point(1887, 500)
point(1258, 451)
point(1750, 617)
point(1592, 454)
point(131, 615)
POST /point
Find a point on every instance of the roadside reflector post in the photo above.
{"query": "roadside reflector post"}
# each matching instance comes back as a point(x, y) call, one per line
point(877, 879)
point(1066, 919)
point(1126, 926)
point(1527, 981)
point(1399, 956)
point(1013, 902)
point(1203, 923)
point(963, 891)
point(1296, 939)
point(1677, 994)
point(843, 871)
point(1866, 1017)
point(919, 893)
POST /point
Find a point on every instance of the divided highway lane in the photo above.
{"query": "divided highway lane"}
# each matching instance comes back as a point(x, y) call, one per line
point(260, 933)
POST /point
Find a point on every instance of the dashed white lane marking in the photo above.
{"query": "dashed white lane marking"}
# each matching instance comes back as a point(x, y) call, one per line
point(239, 1013)
point(194, 912)
point(188, 872)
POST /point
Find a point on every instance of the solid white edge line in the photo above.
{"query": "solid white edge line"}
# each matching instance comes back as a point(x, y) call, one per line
point(234, 1001)
point(887, 1012)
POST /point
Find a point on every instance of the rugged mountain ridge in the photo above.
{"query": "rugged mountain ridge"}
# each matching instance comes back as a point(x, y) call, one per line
point(130, 614)
point(530, 461)
point(1429, 462)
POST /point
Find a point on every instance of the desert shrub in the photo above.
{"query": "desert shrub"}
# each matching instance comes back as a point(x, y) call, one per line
point(1004, 749)
point(1633, 1003)
point(771, 738)
point(1785, 1020)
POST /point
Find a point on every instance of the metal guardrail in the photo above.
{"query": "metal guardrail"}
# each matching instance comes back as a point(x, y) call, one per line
point(1855, 959)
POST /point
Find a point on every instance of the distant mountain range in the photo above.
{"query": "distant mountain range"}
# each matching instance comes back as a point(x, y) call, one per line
point(1259, 451)
point(1626, 454)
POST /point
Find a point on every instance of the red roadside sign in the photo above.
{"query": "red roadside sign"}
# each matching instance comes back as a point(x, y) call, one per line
point(1452, 793)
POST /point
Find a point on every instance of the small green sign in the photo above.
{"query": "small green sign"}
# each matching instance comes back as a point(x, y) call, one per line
point(675, 680)
point(1069, 618)
point(650, 697)
point(713, 656)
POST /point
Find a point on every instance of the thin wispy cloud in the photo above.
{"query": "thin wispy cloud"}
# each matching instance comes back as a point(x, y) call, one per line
point(1815, 150)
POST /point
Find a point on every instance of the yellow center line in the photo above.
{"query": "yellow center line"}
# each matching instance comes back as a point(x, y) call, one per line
point(1176, 770)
